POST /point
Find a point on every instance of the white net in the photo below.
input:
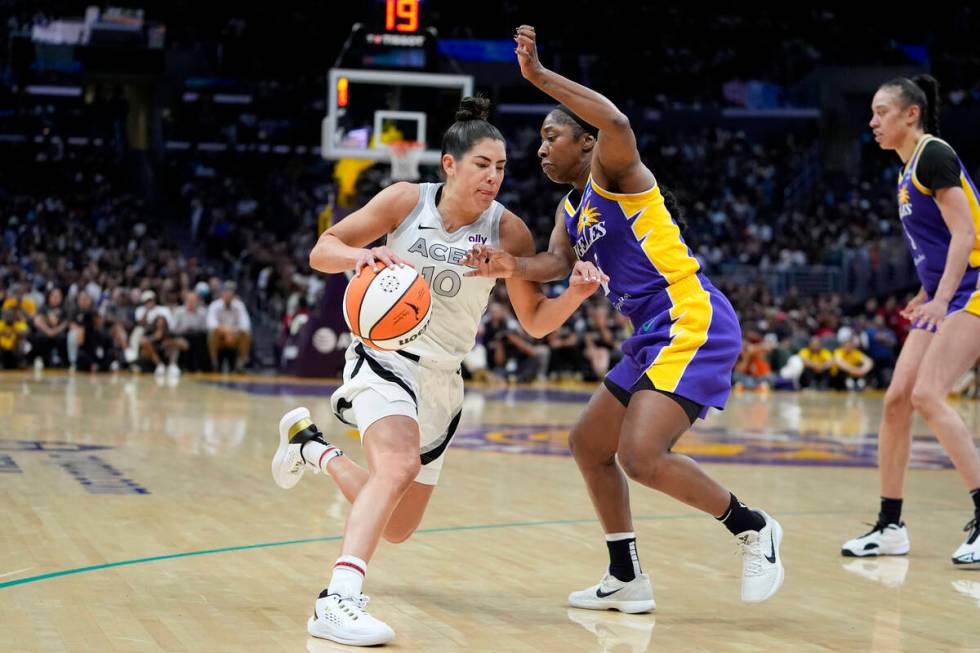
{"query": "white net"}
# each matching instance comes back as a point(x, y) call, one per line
point(404, 157)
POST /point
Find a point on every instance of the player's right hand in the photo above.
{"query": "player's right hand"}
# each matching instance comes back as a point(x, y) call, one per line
point(369, 257)
point(527, 52)
point(489, 261)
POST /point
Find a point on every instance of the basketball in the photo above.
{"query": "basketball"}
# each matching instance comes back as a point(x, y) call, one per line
point(387, 309)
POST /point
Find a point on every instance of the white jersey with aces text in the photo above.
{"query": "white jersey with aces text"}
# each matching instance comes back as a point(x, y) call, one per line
point(458, 302)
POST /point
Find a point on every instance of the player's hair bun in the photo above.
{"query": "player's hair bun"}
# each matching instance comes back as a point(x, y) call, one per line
point(473, 108)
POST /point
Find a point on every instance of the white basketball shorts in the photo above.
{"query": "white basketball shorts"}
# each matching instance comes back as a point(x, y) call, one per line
point(381, 384)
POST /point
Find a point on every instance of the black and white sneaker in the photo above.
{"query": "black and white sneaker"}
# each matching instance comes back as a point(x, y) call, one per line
point(295, 430)
point(881, 540)
point(613, 594)
point(762, 563)
point(968, 555)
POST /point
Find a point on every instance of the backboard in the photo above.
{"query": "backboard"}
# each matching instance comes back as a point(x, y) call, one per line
point(367, 108)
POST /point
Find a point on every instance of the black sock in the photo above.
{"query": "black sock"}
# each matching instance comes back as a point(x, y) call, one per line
point(738, 518)
point(624, 563)
point(975, 495)
point(891, 511)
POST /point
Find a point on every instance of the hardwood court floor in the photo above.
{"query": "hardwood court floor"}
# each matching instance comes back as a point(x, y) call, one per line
point(142, 517)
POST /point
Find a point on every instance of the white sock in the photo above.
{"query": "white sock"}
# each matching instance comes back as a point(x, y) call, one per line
point(615, 537)
point(348, 576)
point(319, 454)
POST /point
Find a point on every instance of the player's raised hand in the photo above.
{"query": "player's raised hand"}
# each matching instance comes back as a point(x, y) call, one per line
point(489, 261)
point(527, 52)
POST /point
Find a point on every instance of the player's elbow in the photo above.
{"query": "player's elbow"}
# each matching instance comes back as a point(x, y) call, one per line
point(316, 257)
point(532, 326)
point(320, 261)
point(619, 121)
point(967, 231)
point(537, 332)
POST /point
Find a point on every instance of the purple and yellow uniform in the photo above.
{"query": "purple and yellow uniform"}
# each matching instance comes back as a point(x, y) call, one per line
point(686, 336)
point(933, 166)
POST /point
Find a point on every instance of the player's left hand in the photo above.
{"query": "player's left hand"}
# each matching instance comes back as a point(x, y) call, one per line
point(527, 52)
point(929, 315)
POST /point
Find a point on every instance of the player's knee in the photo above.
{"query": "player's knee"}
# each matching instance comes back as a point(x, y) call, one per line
point(575, 443)
point(898, 400)
point(397, 535)
point(640, 465)
point(925, 400)
point(399, 470)
point(586, 452)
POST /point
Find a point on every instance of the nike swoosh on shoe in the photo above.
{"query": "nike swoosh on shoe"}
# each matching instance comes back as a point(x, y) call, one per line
point(772, 550)
point(603, 595)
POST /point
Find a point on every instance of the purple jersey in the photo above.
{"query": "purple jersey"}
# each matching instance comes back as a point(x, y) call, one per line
point(634, 240)
point(928, 235)
point(686, 335)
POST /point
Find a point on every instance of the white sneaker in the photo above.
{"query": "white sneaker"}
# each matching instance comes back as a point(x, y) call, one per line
point(968, 555)
point(889, 571)
point(173, 371)
point(161, 370)
point(613, 594)
point(344, 620)
point(295, 430)
point(881, 540)
point(616, 632)
point(762, 564)
point(38, 364)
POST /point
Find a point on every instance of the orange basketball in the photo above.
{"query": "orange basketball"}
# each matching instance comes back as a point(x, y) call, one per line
point(387, 309)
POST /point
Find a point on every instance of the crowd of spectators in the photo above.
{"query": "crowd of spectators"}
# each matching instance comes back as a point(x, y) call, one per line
point(205, 265)
point(91, 281)
point(94, 277)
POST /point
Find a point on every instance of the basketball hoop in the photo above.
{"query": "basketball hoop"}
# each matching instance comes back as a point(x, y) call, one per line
point(404, 157)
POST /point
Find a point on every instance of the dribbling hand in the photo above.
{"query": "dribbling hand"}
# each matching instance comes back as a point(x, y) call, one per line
point(369, 256)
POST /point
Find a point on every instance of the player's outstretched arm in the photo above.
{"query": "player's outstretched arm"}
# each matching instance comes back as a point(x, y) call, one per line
point(616, 150)
point(542, 267)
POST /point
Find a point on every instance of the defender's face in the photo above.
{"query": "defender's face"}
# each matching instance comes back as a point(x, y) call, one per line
point(561, 153)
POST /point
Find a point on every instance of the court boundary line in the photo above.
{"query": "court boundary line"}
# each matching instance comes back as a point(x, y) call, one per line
point(423, 531)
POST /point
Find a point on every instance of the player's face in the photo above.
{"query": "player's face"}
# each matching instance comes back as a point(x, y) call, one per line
point(479, 173)
point(890, 122)
point(560, 152)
